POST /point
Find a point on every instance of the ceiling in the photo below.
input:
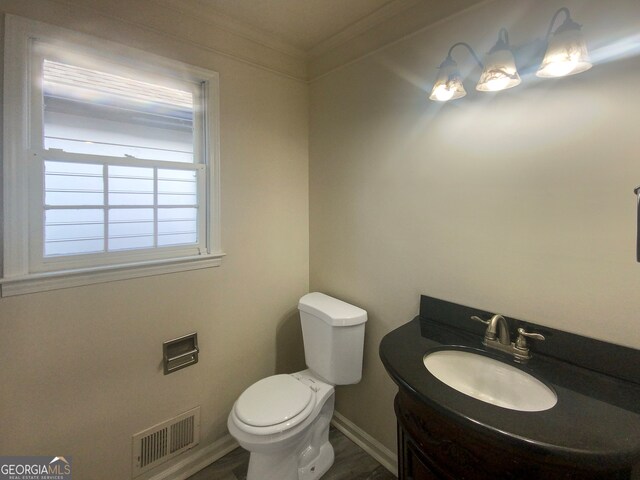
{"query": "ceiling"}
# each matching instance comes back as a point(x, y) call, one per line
point(307, 38)
point(303, 23)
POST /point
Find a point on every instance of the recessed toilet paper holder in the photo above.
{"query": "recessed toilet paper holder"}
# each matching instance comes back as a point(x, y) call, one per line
point(180, 352)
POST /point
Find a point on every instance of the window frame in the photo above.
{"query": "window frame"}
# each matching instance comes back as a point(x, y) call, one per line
point(26, 272)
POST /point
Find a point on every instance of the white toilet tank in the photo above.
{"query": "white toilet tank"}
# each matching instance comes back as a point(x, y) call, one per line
point(333, 334)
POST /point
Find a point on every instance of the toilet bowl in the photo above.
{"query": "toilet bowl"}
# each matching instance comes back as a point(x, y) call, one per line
point(283, 420)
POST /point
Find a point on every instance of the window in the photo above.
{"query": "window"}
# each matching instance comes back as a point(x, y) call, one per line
point(110, 162)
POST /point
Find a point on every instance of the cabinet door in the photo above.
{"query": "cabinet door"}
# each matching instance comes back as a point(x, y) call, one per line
point(412, 464)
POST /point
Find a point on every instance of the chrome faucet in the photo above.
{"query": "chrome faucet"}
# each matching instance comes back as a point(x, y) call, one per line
point(497, 336)
point(497, 328)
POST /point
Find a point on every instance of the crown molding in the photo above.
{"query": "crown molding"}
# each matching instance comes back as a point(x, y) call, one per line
point(371, 35)
point(200, 11)
point(359, 27)
point(168, 20)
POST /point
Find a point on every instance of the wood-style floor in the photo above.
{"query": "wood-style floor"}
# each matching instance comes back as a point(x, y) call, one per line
point(351, 463)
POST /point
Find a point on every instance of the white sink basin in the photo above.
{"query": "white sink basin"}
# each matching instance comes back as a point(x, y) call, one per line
point(490, 380)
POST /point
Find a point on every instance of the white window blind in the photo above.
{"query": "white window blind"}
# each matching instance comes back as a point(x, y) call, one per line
point(94, 112)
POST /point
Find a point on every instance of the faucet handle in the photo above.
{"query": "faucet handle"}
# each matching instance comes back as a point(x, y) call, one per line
point(521, 342)
point(478, 319)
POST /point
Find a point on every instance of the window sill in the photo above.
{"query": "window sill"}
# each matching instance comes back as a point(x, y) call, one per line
point(42, 282)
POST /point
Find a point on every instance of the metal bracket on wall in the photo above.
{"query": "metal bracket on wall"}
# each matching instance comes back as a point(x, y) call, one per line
point(180, 352)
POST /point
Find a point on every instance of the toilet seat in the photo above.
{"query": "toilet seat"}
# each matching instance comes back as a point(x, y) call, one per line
point(273, 404)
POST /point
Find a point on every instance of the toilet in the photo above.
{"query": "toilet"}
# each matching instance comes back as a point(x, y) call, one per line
point(283, 420)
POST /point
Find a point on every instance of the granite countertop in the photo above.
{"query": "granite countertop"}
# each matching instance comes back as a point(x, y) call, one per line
point(596, 420)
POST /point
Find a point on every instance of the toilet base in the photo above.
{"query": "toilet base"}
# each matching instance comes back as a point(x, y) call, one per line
point(319, 466)
point(280, 466)
point(285, 467)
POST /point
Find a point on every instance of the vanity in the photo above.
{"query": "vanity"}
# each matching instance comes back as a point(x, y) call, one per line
point(570, 411)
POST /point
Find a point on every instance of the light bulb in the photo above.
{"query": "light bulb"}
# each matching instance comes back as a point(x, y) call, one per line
point(442, 93)
point(498, 84)
point(560, 68)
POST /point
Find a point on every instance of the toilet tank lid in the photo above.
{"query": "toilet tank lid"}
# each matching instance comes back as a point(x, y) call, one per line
point(333, 311)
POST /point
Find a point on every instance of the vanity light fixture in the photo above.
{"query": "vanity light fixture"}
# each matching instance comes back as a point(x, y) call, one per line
point(500, 70)
point(566, 54)
point(566, 49)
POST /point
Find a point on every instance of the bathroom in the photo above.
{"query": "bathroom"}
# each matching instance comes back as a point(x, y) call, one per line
point(338, 175)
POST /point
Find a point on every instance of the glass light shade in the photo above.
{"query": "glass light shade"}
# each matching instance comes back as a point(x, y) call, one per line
point(499, 73)
point(566, 54)
point(448, 85)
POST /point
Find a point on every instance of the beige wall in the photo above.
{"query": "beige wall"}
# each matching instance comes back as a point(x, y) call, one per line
point(81, 368)
point(519, 202)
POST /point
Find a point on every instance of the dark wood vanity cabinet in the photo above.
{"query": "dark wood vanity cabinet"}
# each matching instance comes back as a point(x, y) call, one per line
point(434, 447)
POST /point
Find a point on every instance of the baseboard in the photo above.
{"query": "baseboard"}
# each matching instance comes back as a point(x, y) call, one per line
point(382, 454)
point(195, 460)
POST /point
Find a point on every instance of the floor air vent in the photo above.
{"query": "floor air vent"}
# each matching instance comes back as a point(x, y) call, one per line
point(165, 440)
